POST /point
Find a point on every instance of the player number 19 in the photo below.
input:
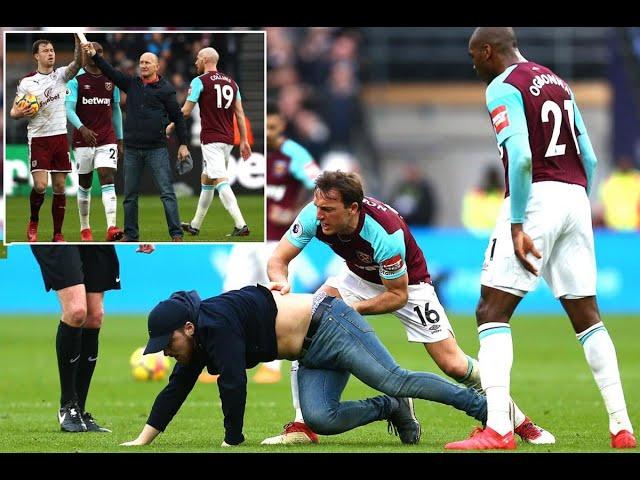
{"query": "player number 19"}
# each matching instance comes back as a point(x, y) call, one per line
point(224, 91)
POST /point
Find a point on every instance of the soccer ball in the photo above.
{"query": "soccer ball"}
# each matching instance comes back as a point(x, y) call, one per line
point(28, 100)
point(154, 366)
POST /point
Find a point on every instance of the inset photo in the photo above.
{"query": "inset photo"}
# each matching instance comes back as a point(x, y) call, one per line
point(143, 136)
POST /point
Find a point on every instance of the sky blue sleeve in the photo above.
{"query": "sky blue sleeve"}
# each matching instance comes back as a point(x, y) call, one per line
point(587, 154)
point(389, 250)
point(195, 89)
point(72, 116)
point(302, 165)
point(72, 90)
point(116, 118)
point(238, 96)
point(70, 102)
point(520, 175)
point(303, 229)
point(506, 108)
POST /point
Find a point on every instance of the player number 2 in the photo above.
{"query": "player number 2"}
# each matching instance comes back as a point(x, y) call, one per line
point(431, 315)
point(226, 92)
point(552, 107)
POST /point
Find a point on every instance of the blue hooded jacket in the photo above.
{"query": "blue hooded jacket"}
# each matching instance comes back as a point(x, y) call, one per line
point(234, 331)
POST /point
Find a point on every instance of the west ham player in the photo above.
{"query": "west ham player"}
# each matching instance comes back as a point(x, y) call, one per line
point(47, 132)
point(291, 172)
point(549, 167)
point(93, 107)
point(218, 97)
point(385, 272)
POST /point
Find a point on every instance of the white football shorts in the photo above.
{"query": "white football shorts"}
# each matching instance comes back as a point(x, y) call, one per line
point(215, 158)
point(89, 158)
point(423, 317)
point(558, 220)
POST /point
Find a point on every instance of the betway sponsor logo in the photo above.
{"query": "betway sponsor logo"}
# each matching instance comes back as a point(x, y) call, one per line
point(96, 101)
point(539, 81)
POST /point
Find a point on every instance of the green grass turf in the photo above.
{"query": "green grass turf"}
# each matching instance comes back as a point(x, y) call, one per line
point(550, 381)
point(153, 225)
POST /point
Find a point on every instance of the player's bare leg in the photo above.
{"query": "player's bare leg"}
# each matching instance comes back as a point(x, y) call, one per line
point(109, 201)
point(601, 357)
point(84, 205)
point(36, 199)
point(59, 204)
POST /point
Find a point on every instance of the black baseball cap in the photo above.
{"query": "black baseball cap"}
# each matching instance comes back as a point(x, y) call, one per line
point(164, 319)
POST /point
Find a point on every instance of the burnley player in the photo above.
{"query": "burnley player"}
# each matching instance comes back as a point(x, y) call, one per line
point(385, 272)
point(47, 132)
point(544, 229)
point(93, 107)
point(291, 172)
point(218, 97)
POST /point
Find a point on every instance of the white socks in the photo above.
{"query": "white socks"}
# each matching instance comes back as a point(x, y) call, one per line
point(496, 358)
point(472, 380)
point(206, 197)
point(84, 206)
point(601, 357)
point(109, 200)
point(294, 391)
point(229, 201)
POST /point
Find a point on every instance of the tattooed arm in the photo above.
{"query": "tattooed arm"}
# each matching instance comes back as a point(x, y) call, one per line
point(74, 67)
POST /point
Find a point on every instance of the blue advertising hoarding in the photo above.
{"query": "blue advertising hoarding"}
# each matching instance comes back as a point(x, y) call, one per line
point(454, 258)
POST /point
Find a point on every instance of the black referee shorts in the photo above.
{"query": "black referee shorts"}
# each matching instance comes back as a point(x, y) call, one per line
point(63, 266)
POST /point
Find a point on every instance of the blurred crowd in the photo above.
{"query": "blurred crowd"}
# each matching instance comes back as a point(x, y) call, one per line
point(315, 75)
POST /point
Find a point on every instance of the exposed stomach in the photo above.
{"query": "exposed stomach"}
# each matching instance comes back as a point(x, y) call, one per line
point(292, 322)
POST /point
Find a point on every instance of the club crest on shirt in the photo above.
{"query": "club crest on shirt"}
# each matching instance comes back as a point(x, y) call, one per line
point(500, 118)
point(279, 168)
point(108, 86)
point(364, 257)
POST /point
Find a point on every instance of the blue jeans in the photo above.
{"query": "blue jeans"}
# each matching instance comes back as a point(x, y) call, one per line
point(135, 160)
point(346, 344)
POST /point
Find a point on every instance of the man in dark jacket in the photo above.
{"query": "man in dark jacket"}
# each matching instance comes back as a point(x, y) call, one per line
point(238, 329)
point(150, 100)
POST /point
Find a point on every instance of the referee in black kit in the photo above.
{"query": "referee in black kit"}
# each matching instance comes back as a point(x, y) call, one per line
point(80, 274)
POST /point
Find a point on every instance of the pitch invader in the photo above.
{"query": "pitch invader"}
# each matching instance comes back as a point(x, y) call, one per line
point(93, 108)
point(47, 132)
point(218, 97)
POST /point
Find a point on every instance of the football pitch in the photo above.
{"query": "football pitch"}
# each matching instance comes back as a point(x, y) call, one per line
point(153, 225)
point(551, 382)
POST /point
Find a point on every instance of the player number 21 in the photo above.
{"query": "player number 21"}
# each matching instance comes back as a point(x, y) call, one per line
point(224, 91)
point(552, 107)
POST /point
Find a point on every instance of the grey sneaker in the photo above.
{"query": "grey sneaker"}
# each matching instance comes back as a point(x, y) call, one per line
point(70, 418)
point(189, 229)
point(91, 424)
point(403, 422)
point(239, 232)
